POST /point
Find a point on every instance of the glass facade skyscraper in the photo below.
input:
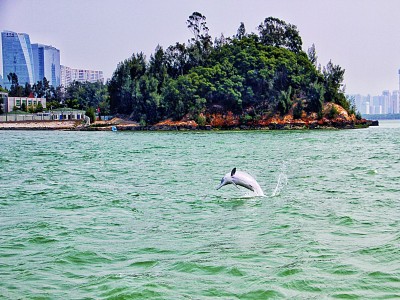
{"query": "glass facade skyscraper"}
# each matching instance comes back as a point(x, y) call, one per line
point(47, 63)
point(17, 57)
point(31, 62)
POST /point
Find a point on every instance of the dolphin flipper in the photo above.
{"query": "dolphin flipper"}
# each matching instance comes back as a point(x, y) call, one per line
point(235, 184)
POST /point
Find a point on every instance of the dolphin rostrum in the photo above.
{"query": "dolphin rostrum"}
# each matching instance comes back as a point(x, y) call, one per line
point(243, 179)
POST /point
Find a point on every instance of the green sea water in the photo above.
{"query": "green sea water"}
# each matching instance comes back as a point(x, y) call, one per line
point(135, 215)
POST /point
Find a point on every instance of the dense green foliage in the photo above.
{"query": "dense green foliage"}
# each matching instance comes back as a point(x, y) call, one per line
point(255, 74)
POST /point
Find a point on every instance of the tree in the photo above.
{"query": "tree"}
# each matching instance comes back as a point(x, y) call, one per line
point(88, 94)
point(46, 88)
point(158, 67)
point(241, 32)
point(201, 43)
point(27, 90)
point(334, 89)
point(220, 42)
point(72, 103)
point(312, 55)
point(39, 107)
point(292, 38)
point(137, 65)
point(177, 60)
point(275, 32)
point(90, 112)
point(120, 89)
point(15, 90)
point(315, 97)
point(38, 89)
point(284, 101)
point(198, 26)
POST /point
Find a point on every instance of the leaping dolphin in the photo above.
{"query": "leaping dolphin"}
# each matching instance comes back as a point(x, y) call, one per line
point(243, 179)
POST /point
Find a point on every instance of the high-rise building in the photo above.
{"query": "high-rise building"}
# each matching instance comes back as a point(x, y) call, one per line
point(399, 79)
point(395, 109)
point(47, 63)
point(386, 102)
point(17, 57)
point(69, 75)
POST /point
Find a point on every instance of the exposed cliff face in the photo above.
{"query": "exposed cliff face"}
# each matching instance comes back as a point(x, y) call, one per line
point(333, 116)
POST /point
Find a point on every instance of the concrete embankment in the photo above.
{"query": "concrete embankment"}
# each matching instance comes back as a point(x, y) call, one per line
point(40, 125)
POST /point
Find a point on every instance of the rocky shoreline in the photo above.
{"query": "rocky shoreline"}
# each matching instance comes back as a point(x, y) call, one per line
point(181, 126)
point(216, 121)
point(271, 126)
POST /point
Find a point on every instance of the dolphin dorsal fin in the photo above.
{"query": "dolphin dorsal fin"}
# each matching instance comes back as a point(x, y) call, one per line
point(233, 171)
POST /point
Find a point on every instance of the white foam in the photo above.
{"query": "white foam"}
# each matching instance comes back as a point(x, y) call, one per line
point(281, 182)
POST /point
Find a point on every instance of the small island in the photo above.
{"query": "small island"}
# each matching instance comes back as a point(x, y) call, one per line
point(247, 81)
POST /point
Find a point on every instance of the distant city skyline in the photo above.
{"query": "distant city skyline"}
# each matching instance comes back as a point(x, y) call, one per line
point(388, 102)
point(359, 35)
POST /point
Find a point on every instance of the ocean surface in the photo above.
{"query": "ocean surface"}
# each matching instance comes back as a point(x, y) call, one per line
point(135, 215)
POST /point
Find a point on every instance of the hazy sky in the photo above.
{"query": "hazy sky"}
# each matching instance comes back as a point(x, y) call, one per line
point(362, 36)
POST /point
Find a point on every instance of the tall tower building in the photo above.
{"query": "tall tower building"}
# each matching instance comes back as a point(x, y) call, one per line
point(17, 57)
point(47, 63)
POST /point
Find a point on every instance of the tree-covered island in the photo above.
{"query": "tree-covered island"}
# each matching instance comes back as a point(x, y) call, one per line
point(248, 79)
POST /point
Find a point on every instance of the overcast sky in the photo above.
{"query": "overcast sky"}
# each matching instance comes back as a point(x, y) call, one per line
point(362, 36)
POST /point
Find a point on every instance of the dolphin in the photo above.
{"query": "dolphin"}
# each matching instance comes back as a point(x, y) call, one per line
point(243, 179)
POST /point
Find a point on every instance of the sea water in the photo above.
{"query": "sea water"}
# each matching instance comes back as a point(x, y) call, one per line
point(135, 215)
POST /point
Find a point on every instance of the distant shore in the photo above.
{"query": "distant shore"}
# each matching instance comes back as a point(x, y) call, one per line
point(176, 126)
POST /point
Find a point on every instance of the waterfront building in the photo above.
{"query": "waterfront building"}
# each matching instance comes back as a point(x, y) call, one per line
point(17, 57)
point(47, 63)
point(69, 75)
point(66, 114)
point(18, 102)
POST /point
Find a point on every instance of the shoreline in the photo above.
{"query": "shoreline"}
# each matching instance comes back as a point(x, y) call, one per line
point(40, 125)
point(78, 126)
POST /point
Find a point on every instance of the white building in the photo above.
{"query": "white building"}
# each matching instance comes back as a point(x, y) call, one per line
point(11, 102)
point(69, 75)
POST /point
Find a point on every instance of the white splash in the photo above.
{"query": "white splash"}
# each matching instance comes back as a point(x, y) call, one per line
point(281, 182)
